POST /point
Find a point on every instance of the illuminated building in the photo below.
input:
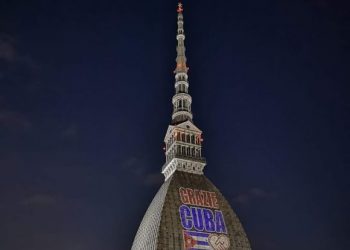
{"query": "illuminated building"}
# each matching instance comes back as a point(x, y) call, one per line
point(188, 212)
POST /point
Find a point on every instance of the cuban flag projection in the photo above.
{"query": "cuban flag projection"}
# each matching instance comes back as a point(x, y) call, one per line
point(196, 240)
point(202, 222)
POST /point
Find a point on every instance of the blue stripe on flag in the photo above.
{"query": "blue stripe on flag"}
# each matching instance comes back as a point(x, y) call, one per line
point(198, 234)
point(202, 243)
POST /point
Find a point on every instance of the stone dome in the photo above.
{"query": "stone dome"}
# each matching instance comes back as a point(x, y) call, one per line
point(189, 212)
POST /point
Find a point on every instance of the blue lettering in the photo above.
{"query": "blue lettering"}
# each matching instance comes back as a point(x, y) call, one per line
point(209, 220)
point(185, 215)
point(220, 223)
point(197, 218)
point(202, 219)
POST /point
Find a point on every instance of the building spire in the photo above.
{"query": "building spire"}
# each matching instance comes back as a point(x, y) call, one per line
point(183, 140)
point(181, 100)
point(181, 57)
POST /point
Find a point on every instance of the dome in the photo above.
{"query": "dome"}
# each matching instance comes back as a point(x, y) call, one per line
point(189, 212)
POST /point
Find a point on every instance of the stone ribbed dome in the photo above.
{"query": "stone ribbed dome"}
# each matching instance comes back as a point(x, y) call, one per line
point(162, 227)
point(147, 234)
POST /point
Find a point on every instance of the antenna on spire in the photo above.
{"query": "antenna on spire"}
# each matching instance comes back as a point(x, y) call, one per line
point(180, 7)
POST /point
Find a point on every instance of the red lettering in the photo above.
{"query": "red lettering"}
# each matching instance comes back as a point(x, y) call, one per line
point(191, 197)
point(183, 195)
point(199, 197)
point(207, 201)
point(214, 200)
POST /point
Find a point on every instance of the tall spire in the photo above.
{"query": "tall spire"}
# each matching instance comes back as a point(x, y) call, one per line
point(183, 140)
point(181, 57)
point(181, 100)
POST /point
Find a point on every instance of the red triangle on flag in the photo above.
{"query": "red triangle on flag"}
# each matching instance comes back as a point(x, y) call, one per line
point(189, 240)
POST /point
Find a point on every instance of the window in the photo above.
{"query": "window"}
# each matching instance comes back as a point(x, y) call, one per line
point(197, 140)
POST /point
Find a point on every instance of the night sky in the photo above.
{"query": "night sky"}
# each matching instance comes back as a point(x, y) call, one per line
point(85, 101)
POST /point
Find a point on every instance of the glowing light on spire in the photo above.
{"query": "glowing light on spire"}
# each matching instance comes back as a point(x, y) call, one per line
point(180, 8)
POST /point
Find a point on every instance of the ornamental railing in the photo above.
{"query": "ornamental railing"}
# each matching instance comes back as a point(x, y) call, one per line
point(185, 157)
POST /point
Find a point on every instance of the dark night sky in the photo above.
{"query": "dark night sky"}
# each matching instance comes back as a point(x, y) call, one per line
point(85, 90)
